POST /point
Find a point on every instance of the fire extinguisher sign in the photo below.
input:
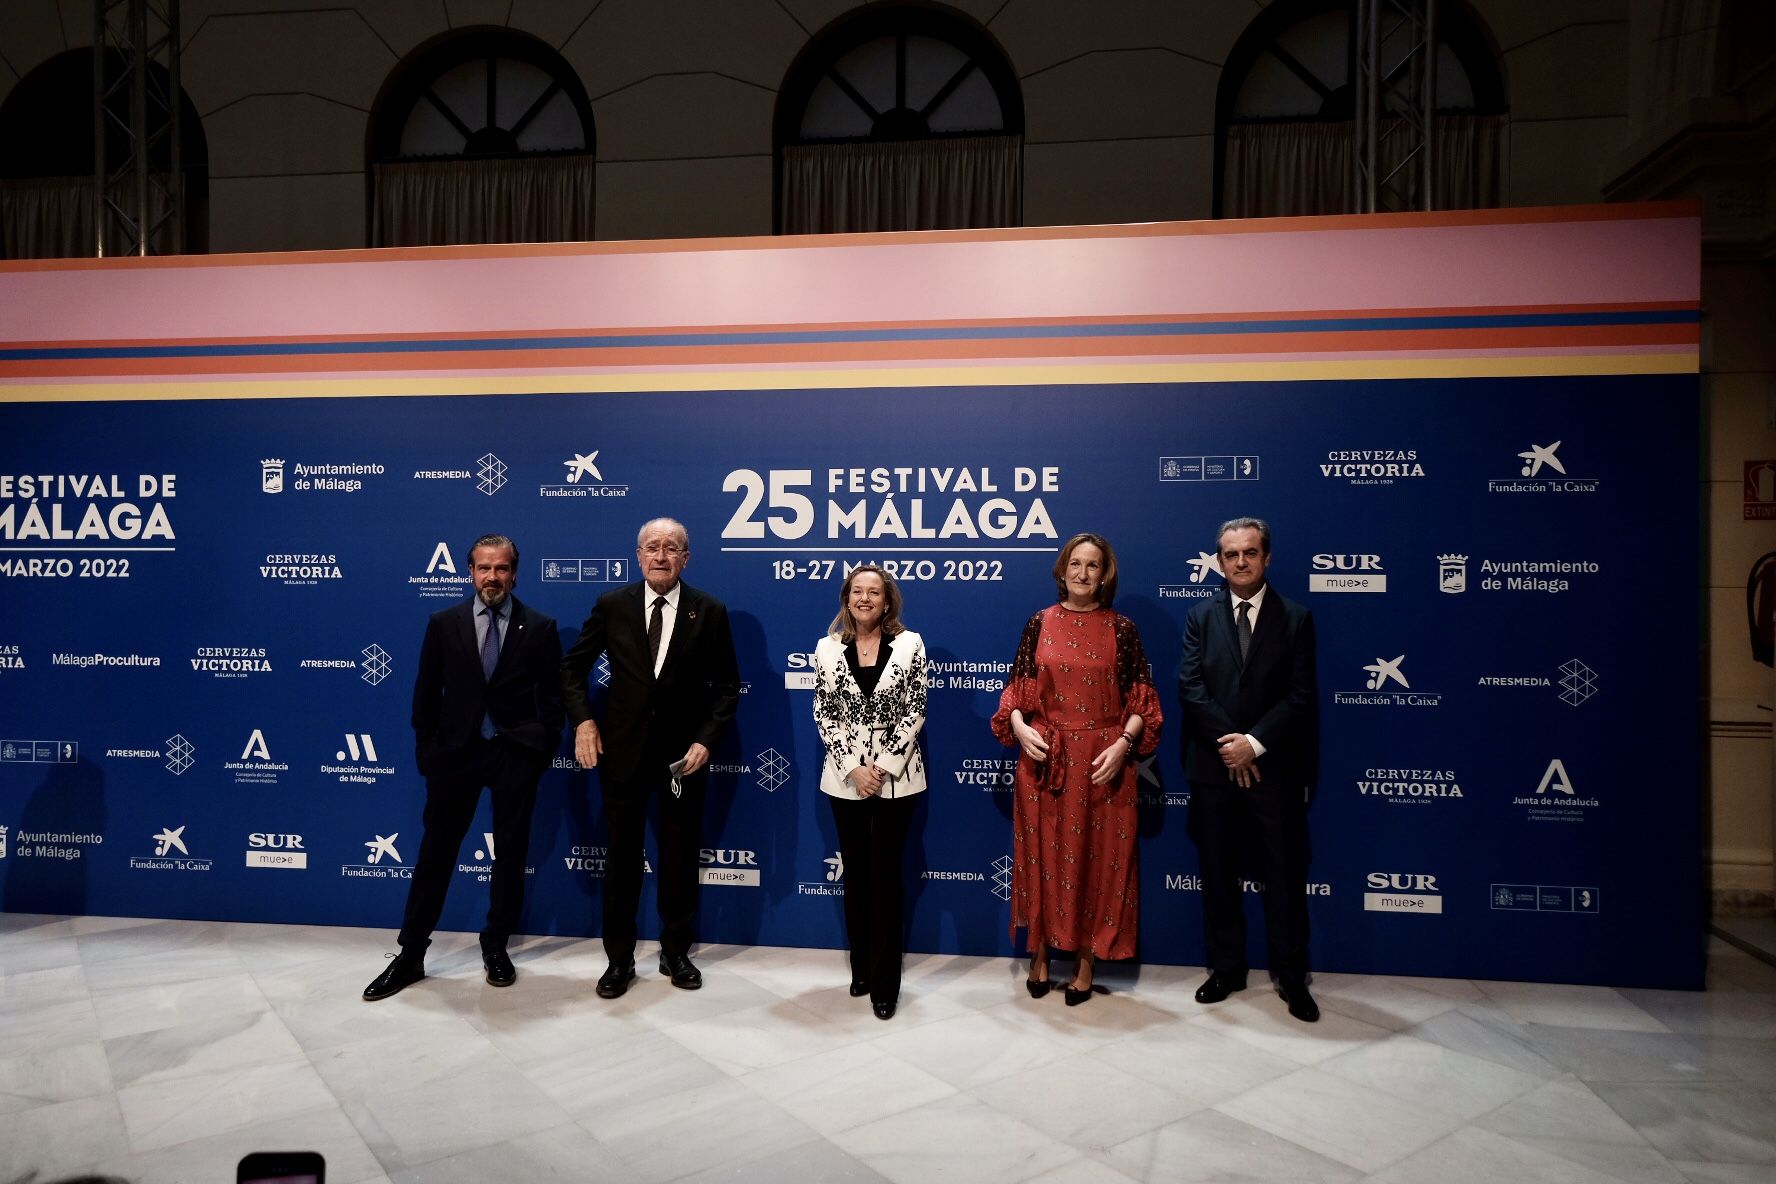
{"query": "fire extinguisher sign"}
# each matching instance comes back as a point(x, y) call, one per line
point(1760, 490)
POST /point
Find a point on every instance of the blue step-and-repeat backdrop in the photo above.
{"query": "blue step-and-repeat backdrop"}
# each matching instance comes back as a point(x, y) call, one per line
point(214, 609)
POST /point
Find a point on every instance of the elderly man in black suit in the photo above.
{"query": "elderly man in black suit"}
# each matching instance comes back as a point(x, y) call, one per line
point(1251, 727)
point(486, 712)
point(674, 687)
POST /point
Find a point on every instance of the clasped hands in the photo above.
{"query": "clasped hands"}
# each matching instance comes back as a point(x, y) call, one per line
point(1240, 759)
point(1104, 767)
point(589, 746)
point(867, 780)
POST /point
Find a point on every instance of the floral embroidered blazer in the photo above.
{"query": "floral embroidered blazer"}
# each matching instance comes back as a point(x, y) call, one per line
point(880, 729)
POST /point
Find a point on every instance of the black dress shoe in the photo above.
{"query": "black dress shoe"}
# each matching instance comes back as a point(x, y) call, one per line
point(1219, 986)
point(615, 980)
point(500, 972)
point(1038, 987)
point(402, 971)
point(1076, 996)
point(859, 988)
point(684, 975)
point(884, 1011)
point(1301, 1004)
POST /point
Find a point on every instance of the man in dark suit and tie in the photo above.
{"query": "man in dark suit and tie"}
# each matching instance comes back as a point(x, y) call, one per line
point(674, 687)
point(486, 712)
point(1251, 735)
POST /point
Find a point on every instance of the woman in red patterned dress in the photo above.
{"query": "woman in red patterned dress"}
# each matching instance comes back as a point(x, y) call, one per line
point(1081, 705)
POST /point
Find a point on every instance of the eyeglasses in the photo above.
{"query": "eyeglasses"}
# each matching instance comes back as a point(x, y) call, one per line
point(670, 550)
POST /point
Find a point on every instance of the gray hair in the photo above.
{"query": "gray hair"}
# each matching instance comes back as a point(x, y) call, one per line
point(669, 524)
point(1257, 524)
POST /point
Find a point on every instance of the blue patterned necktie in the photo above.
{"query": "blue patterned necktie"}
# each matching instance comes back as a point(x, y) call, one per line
point(490, 645)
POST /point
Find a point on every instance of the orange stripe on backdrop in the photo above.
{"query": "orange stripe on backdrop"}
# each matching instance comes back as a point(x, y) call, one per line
point(844, 326)
point(1561, 339)
point(1623, 211)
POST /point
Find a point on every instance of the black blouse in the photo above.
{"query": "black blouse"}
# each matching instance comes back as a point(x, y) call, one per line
point(867, 676)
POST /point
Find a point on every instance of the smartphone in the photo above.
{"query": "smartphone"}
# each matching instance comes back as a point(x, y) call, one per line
point(281, 1167)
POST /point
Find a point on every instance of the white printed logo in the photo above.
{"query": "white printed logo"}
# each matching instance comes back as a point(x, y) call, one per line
point(1556, 779)
point(1386, 674)
point(1539, 455)
point(441, 560)
point(1578, 682)
point(1203, 566)
point(835, 867)
point(1543, 472)
point(179, 754)
point(1402, 892)
point(1347, 573)
point(1384, 671)
point(773, 770)
point(729, 867)
point(583, 466)
point(376, 664)
point(171, 854)
point(380, 846)
point(490, 474)
point(256, 747)
point(584, 479)
point(271, 476)
point(1556, 798)
point(1002, 877)
point(366, 753)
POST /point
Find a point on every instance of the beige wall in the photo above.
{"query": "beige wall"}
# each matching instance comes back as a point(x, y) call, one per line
point(1120, 116)
point(1119, 100)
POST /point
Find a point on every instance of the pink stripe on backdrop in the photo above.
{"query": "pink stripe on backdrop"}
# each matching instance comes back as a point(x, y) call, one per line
point(1612, 260)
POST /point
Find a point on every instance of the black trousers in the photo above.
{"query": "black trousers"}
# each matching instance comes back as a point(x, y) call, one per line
point(872, 840)
point(510, 773)
point(679, 829)
point(1261, 832)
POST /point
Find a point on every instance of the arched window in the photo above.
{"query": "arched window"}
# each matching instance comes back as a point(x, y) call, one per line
point(47, 165)
point(482, 135)
point(899, 117)
point(1284, 129)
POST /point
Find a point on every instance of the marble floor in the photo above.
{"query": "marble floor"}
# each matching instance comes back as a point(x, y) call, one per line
point(160, 1050)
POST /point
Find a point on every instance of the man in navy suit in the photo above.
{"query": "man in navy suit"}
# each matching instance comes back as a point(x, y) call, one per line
point(1251, 735)
point(674, 688)
point(486, 712)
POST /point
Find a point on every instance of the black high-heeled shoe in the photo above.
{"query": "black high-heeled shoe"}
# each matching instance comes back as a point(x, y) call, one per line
point(1038, 987)
point(1077, 996)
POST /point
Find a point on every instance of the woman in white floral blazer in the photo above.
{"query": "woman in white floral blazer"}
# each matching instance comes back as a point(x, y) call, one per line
point(869, 704)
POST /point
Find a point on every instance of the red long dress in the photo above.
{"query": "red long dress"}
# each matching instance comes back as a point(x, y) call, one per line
point(1077, 679)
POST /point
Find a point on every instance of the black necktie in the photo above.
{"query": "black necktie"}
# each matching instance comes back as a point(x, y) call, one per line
point(1243, 625)
point(655, 624)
